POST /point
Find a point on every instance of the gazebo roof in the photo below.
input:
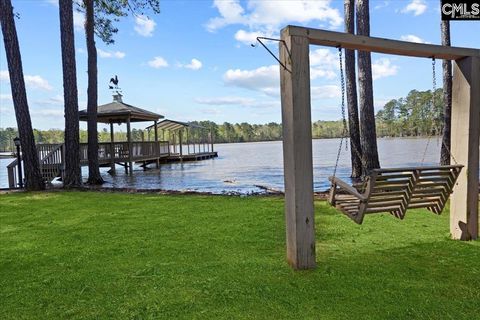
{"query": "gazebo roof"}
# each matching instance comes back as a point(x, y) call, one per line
point(168, 124)
point(118, 112)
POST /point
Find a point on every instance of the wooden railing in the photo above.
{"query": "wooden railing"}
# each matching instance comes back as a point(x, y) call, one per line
point(51, 163)
point(120, 151)
point(52, 159)
point(12, 174)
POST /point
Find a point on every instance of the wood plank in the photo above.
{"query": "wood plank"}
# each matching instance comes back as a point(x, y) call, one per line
point(373, 44)
point(382, 209)
point(297, 152)
point(346, 187)
point(464, 211)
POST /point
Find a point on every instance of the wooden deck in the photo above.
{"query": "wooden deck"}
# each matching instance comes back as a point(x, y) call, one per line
point(191, 156)
point(52, 160)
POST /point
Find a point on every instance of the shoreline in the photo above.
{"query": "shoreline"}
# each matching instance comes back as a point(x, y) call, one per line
point(319, 195)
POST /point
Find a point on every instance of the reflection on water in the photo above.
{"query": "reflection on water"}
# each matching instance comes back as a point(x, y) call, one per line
point(241, 166)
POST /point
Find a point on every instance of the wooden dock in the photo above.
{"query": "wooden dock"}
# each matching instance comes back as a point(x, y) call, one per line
point(110, 154)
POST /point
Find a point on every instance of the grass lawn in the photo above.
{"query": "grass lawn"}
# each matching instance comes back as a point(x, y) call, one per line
point(87, 255)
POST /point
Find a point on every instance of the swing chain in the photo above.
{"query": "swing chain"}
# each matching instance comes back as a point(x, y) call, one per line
point(344, 119)
point(434, 88)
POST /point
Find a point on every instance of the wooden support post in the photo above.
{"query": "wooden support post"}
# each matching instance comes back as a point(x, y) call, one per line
point(464, 211)
point(188, 142)
point(130, 146)
point(112, 150)
point(157, 145)
point(180, 143)
point(297, 151)
point(211, 141)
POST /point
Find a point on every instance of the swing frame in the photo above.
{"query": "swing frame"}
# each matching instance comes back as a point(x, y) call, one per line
point(297, 135)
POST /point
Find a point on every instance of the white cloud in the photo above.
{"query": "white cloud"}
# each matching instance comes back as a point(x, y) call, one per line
point(267, 80)
point(35, 82)
point(5, 97)
point(52, 2)
point(272, 14)
point(384, 4)
point(325, 92)
point(247, 37)
point(222, 101)
point(231, 12)
point(158, 62)
point(412, 38)
point(194, 64)
point(53, 101)
point(417, 7)
point(4, 75)
point(144, 26)
point(211, 111)
point(383, 68)
point(47, 112)
point(324, 64)
point(110, 54)
point(78, 21)
point(264, 79)
point(237, 101)
point(266, 17)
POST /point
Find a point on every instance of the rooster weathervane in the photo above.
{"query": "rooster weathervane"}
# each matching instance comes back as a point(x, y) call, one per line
point(113, 85)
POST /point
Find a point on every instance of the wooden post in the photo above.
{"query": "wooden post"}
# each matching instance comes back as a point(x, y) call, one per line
point(157, 145)
point(188, 143)
point(211, 141)
point(130, 147)
point(112, 150)
point(297, 151)
point(180, 143)
point(464, 214)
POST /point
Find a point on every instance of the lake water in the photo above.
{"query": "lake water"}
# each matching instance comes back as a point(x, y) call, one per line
point(242, 166)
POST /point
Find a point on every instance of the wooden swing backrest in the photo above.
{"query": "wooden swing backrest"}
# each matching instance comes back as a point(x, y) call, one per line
point(433, 186)
point(389, 190)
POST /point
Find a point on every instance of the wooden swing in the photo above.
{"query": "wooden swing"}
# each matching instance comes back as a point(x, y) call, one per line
point(392, 190)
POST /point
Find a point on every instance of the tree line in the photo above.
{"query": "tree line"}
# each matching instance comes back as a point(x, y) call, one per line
point(408, 116)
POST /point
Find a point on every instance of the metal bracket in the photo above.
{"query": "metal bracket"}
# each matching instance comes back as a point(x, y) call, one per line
point(259, 39)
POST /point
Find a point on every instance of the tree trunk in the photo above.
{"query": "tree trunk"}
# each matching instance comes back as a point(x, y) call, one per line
point(33, 177)
point(72, 176)
point(447, 97)
point(351, 86)
point(368, 135)
point(94, 176)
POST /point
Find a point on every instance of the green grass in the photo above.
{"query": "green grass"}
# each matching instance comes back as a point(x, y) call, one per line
point(86, 255)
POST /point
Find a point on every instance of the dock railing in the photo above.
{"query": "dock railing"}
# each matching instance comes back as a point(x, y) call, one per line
point(120, 151)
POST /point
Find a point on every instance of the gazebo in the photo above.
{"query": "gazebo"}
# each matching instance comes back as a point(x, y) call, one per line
point(187, 141)
point(125, 153)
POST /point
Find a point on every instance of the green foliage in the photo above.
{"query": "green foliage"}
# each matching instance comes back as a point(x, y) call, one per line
point(86, 255)
point(107, 12)
point(413, 115)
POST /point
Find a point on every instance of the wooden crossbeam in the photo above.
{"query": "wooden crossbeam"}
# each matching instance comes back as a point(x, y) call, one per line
point(380, 45)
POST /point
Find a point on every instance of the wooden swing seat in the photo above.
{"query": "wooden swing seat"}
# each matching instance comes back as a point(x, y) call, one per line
point(395, 190)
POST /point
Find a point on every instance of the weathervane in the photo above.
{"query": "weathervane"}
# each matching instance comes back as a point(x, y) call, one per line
point(115, 86)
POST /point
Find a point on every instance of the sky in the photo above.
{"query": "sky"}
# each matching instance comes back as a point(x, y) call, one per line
point(194, 60)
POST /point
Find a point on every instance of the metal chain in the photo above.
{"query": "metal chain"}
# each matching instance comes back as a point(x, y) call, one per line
point(434, 88)
point(344, 119)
